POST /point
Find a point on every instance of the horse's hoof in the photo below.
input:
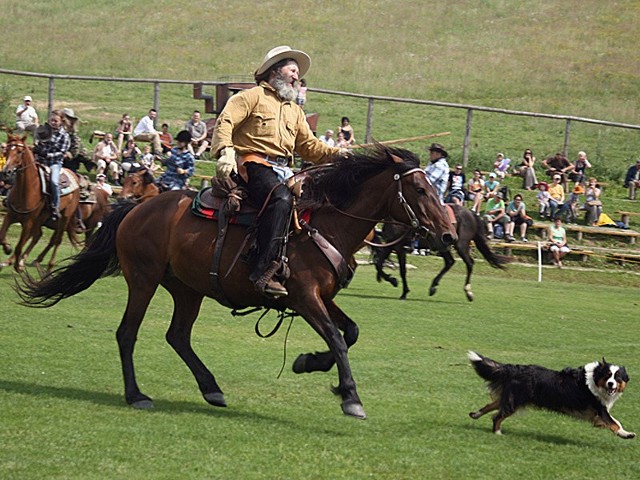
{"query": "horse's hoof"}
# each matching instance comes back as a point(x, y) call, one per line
point(394, 282)
point(432, 291)
point(354, 410)
point(146, 404)
point(300, 363)
point(216, 399)
point(470, 296)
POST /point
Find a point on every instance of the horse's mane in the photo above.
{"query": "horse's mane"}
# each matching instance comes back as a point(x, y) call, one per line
point(338, 182)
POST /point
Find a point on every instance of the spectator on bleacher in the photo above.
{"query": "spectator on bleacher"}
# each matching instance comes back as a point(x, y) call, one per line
point(328, 138)
point(179, 165)
point(456, 186)
point(342, 142)
point(124, 130)
point(301, 99)
point(556, 193)
point(491, 186)
point(571, 206)
point(346, 128)
point(501, 165)
point(557, 165)
point(437, 170)
point(130, 157)
point(166, 139)
point(495, 213)
point(476, 189)
point(527, 170)
point(198, 130)
point(580, 165)
point(517, 211)
point(105, 156)
point(146, 131)
point(557, 241)
point(147, 160)
point(101, 183)
point(633, 175)
point(26, 116)
point(592, 203)
point(543, 199)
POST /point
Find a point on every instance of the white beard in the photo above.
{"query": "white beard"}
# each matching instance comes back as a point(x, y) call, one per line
point(285, 91)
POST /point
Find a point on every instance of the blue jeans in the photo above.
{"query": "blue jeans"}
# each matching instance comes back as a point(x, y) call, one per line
point(54, 183)
point(553, 208)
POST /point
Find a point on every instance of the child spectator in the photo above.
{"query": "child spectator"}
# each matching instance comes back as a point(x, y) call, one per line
point(570, 208)
point(147, 159)
point(543, 199)
point(501, 165)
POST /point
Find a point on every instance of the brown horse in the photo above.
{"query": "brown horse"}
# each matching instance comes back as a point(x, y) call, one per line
point(139, 186)
point(27, 205)
point(94, 212)
point(160, 242)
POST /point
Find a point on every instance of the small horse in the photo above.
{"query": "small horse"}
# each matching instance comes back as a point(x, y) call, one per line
point(468, 227)
point(346, 199)
point(139, 185)
point(28, 205)
point(94, 212)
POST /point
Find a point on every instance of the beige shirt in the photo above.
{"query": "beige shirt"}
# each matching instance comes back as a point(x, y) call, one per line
point(258, 121)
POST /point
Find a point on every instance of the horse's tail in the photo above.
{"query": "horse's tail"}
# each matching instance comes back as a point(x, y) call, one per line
point(98, 259)
point(480, 239)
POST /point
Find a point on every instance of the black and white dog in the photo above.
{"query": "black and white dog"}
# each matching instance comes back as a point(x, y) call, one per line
point(587, 393)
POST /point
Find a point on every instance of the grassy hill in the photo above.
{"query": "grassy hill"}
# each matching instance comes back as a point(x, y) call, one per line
point(571, 57)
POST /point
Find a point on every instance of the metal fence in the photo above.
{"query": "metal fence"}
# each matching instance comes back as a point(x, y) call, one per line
point(371, 99)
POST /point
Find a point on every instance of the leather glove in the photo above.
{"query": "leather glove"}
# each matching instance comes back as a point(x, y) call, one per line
point(226, 163)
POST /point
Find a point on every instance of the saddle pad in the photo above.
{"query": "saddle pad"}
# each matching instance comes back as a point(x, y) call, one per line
point(68, 181)
point(205, 205)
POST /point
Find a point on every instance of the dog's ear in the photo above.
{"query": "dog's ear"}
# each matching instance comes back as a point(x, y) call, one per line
point(623, 375)
point(604, 362)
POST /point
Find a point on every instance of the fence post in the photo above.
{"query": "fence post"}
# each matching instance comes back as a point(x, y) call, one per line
point(567, 135)
point(467, 138)
point(50, 97)
point(156, 98)
point(369, 130)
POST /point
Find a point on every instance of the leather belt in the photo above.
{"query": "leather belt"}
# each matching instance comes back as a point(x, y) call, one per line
point(254, 157)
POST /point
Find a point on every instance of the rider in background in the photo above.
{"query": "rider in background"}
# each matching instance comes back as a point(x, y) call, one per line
point(50, 151)
point(265, 126)
point(437, 170)
point(179, 165)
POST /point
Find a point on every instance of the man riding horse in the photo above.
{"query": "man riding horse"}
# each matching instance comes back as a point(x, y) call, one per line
point(264, 126)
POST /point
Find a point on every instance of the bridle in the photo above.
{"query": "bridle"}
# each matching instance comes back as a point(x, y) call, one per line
point(13, 171)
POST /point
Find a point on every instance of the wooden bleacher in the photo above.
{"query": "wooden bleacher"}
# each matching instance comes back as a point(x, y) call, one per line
point(580, 230)
point(624, 216)
point(509, 247)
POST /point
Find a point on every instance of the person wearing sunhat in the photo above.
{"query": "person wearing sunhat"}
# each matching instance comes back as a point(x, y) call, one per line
point(437, 170)
point(255, 137)
point(77, 153)
point(179, 164)
point(26, 116)
point(53, 143)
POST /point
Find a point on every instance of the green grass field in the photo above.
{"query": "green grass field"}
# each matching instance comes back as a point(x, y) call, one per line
point(64, 416)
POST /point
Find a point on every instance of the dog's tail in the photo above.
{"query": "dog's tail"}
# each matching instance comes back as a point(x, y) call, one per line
point(486, 368)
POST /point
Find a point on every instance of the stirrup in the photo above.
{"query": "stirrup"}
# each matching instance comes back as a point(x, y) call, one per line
point(266, 284)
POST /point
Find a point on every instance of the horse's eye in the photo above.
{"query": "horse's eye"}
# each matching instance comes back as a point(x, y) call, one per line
point(421, 190)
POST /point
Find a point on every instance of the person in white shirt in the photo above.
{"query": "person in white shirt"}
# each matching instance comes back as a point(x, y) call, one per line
point(328, 138)
point(101, 183)
point(146, 131)
point(26, 116)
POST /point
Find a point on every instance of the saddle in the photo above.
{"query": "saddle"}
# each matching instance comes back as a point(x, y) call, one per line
point(68, 181)
point(224, 198)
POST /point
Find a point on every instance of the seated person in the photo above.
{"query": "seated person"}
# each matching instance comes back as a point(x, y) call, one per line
point(456, 186)
point(517, 211)
point(124, 130)
point(578, 173)
point(130, 156)
point(558, 165)
point(105, 156)
point(495, 213)
point(632, 178)
point(527, 170)
point(166, 139)
point(558, 241)
point(476, 189)
point(491, 186)
point(543, 199)
point(145, 131)
point(556, 196)
point(592, 203)
point(179, 164)
point(570, 208)
point(147, 159)
point(101, 183)
point(501, 165)
point(198, 130)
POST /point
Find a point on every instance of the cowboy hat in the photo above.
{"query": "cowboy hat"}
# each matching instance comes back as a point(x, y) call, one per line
point(68, 112)
point(43, 133)
point(183, 136)
point(436, 147)
point(283, 52)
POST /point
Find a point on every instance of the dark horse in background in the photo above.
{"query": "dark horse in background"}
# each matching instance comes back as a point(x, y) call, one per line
point(468, 227)
point(29, 206)
point(346, 198)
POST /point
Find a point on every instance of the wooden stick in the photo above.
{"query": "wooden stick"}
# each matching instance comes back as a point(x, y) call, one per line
point(401, 140)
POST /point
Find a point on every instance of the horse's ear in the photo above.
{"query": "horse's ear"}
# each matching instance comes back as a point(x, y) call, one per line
point(396, 159)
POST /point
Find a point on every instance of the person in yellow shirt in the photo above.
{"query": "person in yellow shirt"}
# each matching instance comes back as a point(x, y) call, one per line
point(556, 200)
point(255, 136)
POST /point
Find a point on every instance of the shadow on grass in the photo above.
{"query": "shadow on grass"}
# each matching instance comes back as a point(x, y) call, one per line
point(535, 436)
point(346, 293)
point(113, 400)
